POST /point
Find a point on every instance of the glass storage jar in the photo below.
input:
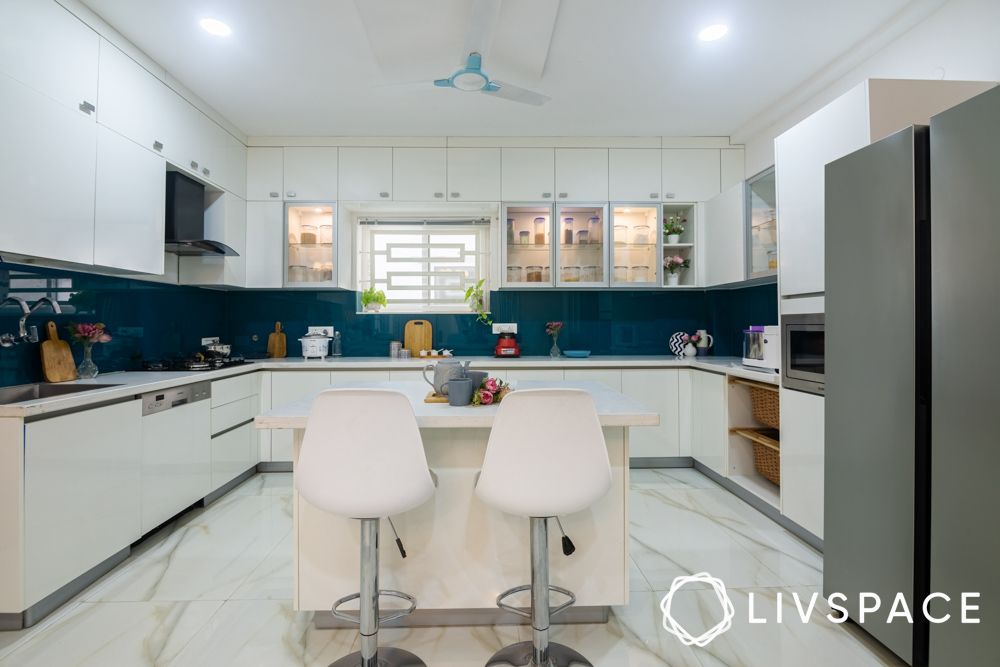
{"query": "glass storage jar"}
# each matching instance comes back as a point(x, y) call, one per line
point(590, 274)
point(515, 274)
point(571, 274)
point(621, 274)
point(534, 274)
point(621, 235)
point(546, 274)
point(582, 237)
point(594, 229)
point(307, 234)
point(326, 233)
point(640, 235)
point(540, 231)
point(639, 274)
point(568, 231)
point(524, 238)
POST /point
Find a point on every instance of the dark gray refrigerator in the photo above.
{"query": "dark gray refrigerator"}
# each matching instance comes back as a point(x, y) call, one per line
point(912, 315)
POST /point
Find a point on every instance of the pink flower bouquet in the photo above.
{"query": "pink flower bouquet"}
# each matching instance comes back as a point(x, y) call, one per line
point(492, 390)
point(87, 333)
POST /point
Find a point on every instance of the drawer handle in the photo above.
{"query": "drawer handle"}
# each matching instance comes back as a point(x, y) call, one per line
point(654, 195)
point(455, 195)
point(194, 165)
point(157, 146)
point(87, 108)
point(206, 171)
point(383, 195)
point(274, 195)
point(546, 195)
point(290, 193)
point(438, 195)
point(563, 195)
point(668, 195)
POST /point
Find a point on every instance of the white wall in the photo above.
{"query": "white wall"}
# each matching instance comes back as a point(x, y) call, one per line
point(959, 41)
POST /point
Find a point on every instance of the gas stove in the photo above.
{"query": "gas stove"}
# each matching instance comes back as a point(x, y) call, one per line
point(199, 362)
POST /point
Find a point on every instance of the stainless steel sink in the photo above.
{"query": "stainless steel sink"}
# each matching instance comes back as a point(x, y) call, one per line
point(33, 392)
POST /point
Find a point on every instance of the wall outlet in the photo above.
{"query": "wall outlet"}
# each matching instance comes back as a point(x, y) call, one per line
point(505, 327)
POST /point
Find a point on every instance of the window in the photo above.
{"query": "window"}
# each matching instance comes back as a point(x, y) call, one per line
point(423, 265)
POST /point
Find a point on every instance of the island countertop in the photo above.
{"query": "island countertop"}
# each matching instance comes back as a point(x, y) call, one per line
point(613, 407)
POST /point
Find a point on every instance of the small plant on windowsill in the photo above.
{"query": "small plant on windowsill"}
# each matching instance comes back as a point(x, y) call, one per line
point(475, 296)
point(373, 300)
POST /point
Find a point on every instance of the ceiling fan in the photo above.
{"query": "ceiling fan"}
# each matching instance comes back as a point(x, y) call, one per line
point(473, 79)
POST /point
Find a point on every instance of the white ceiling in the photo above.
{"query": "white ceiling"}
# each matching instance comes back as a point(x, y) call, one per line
point(611, 67)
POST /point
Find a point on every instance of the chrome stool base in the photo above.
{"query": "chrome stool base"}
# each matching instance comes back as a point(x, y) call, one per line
point(387, 657)
point(520, 654)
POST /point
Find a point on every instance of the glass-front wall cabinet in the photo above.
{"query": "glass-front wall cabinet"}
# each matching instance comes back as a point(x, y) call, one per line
point(309, 252)
point(581, 255)
point(678, 234)
point(528, 251)
point(635, 249)
point(762, 232)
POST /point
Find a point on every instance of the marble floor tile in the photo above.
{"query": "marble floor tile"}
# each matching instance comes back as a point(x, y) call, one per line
point(636, 580)
point(272, 579)
point(115, 633)
point(454, 646)
point(272, 483)
point(670, 478)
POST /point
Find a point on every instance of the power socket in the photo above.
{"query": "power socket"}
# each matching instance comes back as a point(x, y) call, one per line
point(504, 327)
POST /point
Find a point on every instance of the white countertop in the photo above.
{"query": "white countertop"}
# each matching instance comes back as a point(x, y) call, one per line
point(130, 384)
point(613, 407)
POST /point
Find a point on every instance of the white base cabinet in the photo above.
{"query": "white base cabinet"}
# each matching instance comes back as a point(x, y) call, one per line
point(709, 422)
point(81, 494)
point(802, 459)
point(287, 387)
point(657, 389)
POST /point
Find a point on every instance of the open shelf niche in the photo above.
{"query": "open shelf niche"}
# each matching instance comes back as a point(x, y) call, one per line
point(744, 431)
point(686, 214)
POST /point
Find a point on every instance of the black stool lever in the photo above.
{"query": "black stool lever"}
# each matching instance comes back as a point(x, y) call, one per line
point(399, 542)
point(567, 544)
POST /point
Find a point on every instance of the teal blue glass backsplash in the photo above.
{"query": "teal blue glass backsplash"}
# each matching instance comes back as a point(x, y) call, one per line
point(151, 321)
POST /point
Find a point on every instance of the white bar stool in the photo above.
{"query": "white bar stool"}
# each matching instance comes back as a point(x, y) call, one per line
point(546, 457)
point(354, 466)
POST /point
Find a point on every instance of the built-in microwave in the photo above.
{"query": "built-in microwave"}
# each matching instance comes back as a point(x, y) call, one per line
point(803, 359)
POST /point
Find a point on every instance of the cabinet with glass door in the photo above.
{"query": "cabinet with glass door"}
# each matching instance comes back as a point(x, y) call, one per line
point(762, 225)
point(582, 247)
point(636, 244)
point(310, 233)
point(678, 233)
point(528, 255)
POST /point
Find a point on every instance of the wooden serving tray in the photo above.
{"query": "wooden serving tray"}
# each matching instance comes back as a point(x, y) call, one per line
point(431, 397)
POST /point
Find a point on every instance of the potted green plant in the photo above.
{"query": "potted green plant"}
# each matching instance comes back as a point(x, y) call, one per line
point(475, 296)
point(373, 300)
point(673, 227)
point(674, 265)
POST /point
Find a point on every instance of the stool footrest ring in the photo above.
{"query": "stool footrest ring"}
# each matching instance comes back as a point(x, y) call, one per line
point(352, 616)
point(527, 587)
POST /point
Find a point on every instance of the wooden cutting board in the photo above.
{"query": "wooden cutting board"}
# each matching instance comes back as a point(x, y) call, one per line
point(418, 335)
point(57, 360)
point(277, 343)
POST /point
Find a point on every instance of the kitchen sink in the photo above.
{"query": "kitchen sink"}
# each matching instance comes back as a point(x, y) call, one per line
point(32, 392)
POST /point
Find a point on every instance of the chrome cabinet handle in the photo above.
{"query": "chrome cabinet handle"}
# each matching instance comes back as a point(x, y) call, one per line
point(668, 195)
point(206, 171)
point(455, 195)
point(290, 194)
point(383, 195)
point(87, 108)
point(194, 165)
point(654, 195)
point(546, 195)
point(273, 194)
point(438, 195)
point(563, 195)
point(157, 146)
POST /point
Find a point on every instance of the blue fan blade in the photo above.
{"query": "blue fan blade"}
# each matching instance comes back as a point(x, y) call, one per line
point(442, 83)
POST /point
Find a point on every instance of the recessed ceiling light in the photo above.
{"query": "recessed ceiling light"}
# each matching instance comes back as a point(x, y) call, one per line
point(215, 27)
point(713, 32)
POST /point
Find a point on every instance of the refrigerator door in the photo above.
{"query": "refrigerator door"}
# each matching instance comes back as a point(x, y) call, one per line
point(870, 379)
point(965, 172)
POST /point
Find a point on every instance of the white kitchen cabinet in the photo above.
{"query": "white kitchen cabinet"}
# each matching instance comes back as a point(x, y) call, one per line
point(634, 174)
point(518, 374)
point(732, 170)
point(265, 239)
point(233, 453)
point(685, 412)
point(709, 424)
point(286, 387)
point(229, 162)
point(129, 205)
point(581, 174)
point(81, 493)
point(474, 174)
point(691, 174)
point(611, 377)
point(419, 174)
point(226, 222)
point(724, 227)
point(365, 174)
point(310, 173)
point(346, 377)
point(657, 389)
point(47, 176)
point(802, 452)
point(868, 112)
point(46, 48)
point(176, 461)
point(527, 174)
point(265, 173)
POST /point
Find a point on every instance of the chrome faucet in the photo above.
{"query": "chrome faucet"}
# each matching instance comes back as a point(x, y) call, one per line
point(24, 334)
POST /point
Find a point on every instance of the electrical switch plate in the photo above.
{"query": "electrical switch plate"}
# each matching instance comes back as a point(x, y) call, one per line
point(504, 327)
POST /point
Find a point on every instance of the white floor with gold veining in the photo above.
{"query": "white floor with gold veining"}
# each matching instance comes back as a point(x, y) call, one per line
point(214, 588)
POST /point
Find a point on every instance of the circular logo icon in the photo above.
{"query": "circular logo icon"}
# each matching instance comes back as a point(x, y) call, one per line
point(671, 625)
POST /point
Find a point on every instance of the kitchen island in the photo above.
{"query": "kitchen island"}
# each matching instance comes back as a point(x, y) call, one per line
point(461, 553)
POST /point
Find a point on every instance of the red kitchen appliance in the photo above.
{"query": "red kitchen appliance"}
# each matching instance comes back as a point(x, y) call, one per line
point(507, 346)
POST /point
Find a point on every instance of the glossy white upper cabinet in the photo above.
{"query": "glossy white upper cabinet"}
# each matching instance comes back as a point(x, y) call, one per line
point(634, 174)
point(265, 238)
point(527, 174)
point(46, 176)
point(474, 174)
point(225, 221)
point(582, 174)
point(226, 161)
point(129, 205)
point(724, 254)
point(365, 174)
point(49, 50)
point(691, 174)
point(310, 173)
point(419, 174)
point(265, 173)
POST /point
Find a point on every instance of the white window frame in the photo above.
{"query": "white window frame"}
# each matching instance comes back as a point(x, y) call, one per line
point(424, 301)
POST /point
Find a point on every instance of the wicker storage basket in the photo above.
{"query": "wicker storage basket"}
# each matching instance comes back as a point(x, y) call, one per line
point(767, 461)
point(766, 406)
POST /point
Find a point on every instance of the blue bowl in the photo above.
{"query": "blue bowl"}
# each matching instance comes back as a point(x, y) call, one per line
point(577, 354)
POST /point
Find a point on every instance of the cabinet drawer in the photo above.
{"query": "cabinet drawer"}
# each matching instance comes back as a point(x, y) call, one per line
point(232, 454)
point(233, 389)
point(233, 414)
